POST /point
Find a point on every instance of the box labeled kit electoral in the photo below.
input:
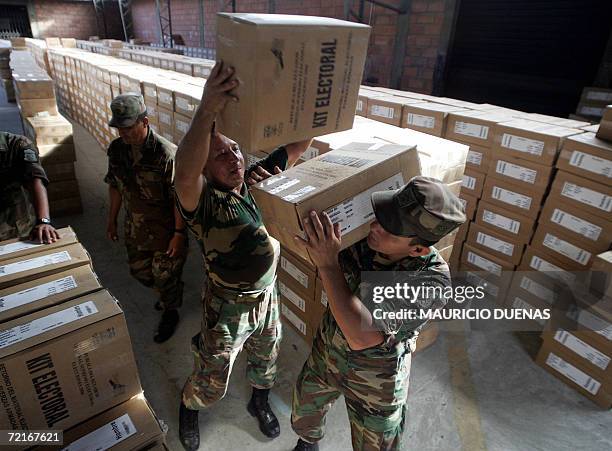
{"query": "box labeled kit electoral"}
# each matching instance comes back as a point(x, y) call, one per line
point(299, 76)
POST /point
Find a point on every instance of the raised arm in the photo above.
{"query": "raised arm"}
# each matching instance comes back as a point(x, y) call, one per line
point(295, 151)
point(192, 152)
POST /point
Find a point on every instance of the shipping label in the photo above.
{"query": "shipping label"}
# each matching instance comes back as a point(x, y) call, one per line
point(294, 272)
point(516, 172)
point(474, 157)
point(382, 111)
point(105, 437)
point(469, 182)
point(583, 349)
point(501, 221)
point(587, 196)
point(537, 289)
point(290, 295)
point(552, 270)
point(17, 246)
point(572, 373)
point(521, 304)
point(567, 249)
point(484, 263)
point(521, 144)
point(511, 198)
point(494, 243)
point(591, 163)
point(35, 262)
point(36, 293)
point(576, 225)
point(293, 319)
point(419, 120)
point(473, 130)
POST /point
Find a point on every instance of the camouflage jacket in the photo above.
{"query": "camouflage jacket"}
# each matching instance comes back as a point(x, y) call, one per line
point(238, 252)
point(143, 176)
point(19, 164)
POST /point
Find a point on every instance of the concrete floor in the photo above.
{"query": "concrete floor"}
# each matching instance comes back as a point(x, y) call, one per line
point(479, 391)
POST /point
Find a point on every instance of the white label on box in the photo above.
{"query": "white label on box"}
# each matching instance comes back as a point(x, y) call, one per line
point(576, 225)
point(595, 323)
point(17, 246)
point(294, 272)
point(599, 95)
point(33, 263)
point(469, 182)
point(583, 349)
point(473, 130)
point(477, 281)
point(419, 120)
point(552, 270)
point(324, 298)
point(46, 323)
point(299, 193)
point(289, 294)
point(357, 210)
point(310, 153)
point(183, 104)
point(105, 437)
point(591, 163)
point(537, 289)
point(521, 304)
point(587, 196)
point(288, 184)
point(474, 158)
point(521, 144)
point(494, 243)
point(382, 111)
point(164, 118)
point(511, 198)
point(293, 319)
point(567, 249)
point(182, 126)
point(463, 202)
point(484, 263)
point(500, 221)
point(516, 172)
point(36, 293)
point(572, 373)
point(591, 111)
point(360, 105)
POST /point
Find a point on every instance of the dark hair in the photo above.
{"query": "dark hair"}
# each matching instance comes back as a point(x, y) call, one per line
point(141, 116)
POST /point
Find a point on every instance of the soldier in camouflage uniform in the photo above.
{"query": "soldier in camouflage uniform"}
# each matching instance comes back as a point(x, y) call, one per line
point(140, 167)
point(241, 306)
point(22, 182)
point(353, 354)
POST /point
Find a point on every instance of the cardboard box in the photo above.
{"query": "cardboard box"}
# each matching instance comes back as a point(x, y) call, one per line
point(561, 246)
point(181, 125)
point(428, 117)
point(16, 248)
point(470, 204)
point(186, 99)
point(561, 365)
point(56, 153)
point(601, 96)
point(165, 117)
point(583, 193)
point(529, 140)
point(589, 231)
point(167, 132)
point(270, 54)
point(14, 271)
point(48, 130)
point(516, 227)
point(57, 172)
point(297, 274)
point(532, 176)
point(483, 261)
point(494, 243)
point(66, 363)
point(339, 183)
point(539, 291)
point(33, 87)
point(362, 100)
point(513, 197)
point(495, 287)
point(388, 109)
point(560, 121)
point(478, 159)
point(473, 182)
point(540, 259)
point(587, 156)
point(29, 297)
point(290, 317)
point(165, 94)
point(474, 127)
point(129, 426)
point(30, 107)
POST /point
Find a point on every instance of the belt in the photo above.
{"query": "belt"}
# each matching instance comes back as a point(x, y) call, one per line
point(237, 296)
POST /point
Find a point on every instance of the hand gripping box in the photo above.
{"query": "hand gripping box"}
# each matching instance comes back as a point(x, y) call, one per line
point(16, 248)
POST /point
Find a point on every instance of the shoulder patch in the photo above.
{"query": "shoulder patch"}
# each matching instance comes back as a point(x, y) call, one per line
point(30, 156)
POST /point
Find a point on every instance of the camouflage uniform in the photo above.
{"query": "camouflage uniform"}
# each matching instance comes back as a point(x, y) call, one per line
point(19, 165)
point(241, 306)
point(143, 176)
point(374, 381)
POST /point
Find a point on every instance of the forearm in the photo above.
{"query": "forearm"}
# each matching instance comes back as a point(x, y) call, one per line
point(352, 317)
point(115, 203)
point(179, 222)
point(39, 195)
point(296, 150)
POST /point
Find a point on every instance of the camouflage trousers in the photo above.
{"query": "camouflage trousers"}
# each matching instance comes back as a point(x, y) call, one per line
point(17, 216)
point(374, 383)
point(228, 325)
point(154, 269)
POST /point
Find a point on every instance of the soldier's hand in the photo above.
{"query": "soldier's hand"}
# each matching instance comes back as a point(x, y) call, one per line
point(176, 247)
point(44, 233)
point(323, 239)
point(260, 174)
point(111, 231)
point(217, 89)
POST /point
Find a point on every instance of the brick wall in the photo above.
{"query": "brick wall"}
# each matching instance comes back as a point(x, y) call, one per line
point(56, 18)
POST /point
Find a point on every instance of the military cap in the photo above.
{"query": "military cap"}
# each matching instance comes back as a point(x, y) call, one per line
point(424, 207)
point(126, 109)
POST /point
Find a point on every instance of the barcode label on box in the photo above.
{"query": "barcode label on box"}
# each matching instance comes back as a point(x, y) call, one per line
point(484, 263)
point(591, 163)
point(183, 104)
point(537, 289)
point(419, 120)
point(469, 182)
point(587, 196)
point(501, 221)
point(511, 198)
point(583, 349)
point(521, 144)
point(17, 246)
point(476, 281)
point(474, 158)
point(521, 304)
point(46, 323)
point(164, 97)
point(310, 153)
point(290, 295)
point(516, 172)
point(360, 105)
point(382, 111)
point(572, 373)
point(576, 225)
point(293, 319)
point(567, 249)
point(594, 323)
point(494, 243)
point(105, 437)
point(299, 193)
point(551, 270)
point(282, 187)
point(33, 263)
point(473, 130)
point(294, 272)
point(36, 293)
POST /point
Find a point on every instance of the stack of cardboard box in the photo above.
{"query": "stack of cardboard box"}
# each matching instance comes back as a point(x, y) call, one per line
point(593, 102)
point(54, 302)
point(6, 77)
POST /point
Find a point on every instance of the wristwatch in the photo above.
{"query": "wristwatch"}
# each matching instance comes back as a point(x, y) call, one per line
point(46, 221)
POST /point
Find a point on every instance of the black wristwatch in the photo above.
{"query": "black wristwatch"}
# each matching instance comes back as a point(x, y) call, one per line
point(45, 221)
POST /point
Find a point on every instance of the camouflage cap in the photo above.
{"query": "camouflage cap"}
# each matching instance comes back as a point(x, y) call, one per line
point(126, 108)
point(424, 207)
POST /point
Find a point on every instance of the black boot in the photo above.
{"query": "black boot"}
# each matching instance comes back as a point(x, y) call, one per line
point(189, 429)
point(167, 326)
point(260, 409)
point(305, 446)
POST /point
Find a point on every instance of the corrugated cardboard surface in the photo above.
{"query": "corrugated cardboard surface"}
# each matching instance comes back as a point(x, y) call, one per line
point(16, 248)
point(514, 197)
point(583, 193)
point(507, 223)
point(587, 156)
